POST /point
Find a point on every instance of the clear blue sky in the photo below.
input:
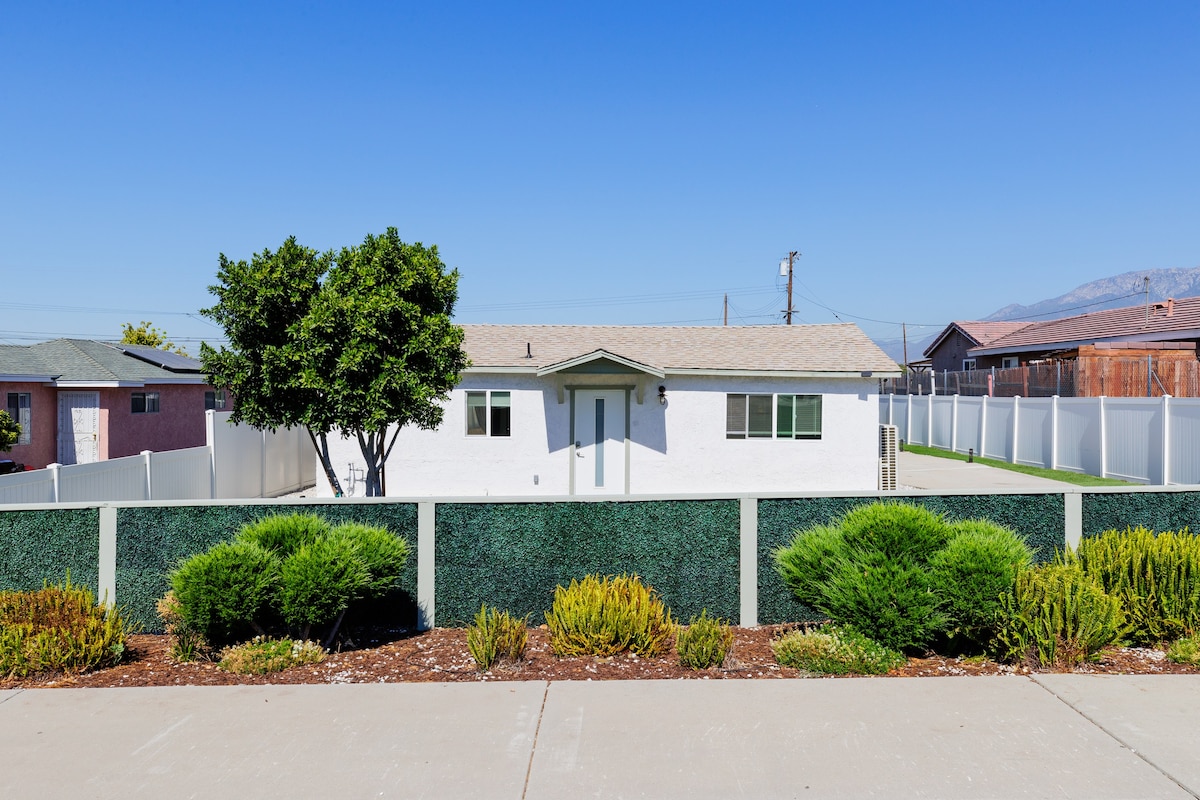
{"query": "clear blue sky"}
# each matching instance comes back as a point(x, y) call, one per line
point(932, 161)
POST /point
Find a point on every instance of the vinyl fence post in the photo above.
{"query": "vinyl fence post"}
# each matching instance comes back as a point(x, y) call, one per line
point(1103, 439)
point(146, 454)
point(1054, 432)
point(983, 426)
point(1016, 427)
point(749, 562)
point(1166, 440)
point(426, 613)
point(929, 420)
point(954, 424)
point(106, 578)
point(55, 479)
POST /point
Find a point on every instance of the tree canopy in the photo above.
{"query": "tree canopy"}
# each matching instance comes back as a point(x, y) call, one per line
point(149, 336)
point(358, 342)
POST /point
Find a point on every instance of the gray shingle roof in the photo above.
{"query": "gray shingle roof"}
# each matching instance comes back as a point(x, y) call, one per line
point(87, 361)
point(775, 348)
point(1172, 319)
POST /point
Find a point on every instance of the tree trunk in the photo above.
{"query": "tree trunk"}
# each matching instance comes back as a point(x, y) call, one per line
point(323, 454)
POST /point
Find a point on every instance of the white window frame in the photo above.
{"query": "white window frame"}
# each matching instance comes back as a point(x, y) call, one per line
point(737, 421)
point(968, 365)
point(22, 404)
point(493, 400)
point(1010, 362)
point(150, 403)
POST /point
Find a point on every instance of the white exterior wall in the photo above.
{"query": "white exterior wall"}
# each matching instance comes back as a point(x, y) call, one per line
point(679, 447)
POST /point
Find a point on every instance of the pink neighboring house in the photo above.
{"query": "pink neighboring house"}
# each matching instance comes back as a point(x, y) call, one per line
point(79, 400)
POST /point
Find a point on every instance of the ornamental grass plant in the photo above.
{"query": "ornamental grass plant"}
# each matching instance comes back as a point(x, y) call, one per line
point(497, 636)
point(1156, 578)
point(704, 642)
point(604, 616)
point(58, 629)
point(1057, 616)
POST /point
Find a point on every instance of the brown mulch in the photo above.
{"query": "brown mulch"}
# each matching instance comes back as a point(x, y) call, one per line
point(441, 655)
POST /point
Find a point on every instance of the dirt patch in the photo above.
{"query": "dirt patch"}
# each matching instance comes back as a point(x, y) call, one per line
point(441, 655)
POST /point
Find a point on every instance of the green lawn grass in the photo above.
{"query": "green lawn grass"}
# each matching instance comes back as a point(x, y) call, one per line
point(1076, 478)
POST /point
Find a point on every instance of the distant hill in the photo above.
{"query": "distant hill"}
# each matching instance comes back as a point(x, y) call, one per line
point(1126, 289)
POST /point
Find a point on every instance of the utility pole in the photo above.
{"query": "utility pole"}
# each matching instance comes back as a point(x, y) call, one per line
point(791, 264)
point(726, 322)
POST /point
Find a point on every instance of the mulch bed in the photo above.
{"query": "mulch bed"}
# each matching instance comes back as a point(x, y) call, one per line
point(441, 655)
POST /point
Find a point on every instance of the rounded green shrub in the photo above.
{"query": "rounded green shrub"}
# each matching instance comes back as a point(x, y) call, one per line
point(1058, 616)
point(382, 552)
point(978, 565)
point(319, 581)
point(603, 616)
point(284, 534)
point(870, 569)
point(835, 650)
point(227, 590)
point(704, 643)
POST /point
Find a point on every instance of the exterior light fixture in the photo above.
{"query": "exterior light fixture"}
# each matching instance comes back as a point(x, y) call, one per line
point(662, 395)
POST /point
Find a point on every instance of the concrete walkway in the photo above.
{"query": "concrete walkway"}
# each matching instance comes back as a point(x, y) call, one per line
point(945, 474)
point(1062, 736)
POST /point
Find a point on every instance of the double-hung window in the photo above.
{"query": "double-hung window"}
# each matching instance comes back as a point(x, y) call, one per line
point(489, 414)
point(144, 403)
point(779, 416)
point(19, 408)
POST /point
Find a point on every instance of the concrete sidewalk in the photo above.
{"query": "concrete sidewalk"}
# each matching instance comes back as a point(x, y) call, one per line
point(945, 474)
point(1062, 736)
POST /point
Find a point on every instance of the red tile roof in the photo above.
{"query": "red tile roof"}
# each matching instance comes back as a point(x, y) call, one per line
point(1172, 319)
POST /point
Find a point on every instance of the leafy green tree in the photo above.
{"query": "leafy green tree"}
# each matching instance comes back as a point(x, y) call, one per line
point(10, 432)
point(147, 335)
point(359, 342)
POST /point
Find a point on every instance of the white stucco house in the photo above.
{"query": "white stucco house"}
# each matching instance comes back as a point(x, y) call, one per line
point(585, 410)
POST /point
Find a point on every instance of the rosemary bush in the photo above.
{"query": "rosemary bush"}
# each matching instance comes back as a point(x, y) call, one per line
point(1155, 577)
point(835, 650)
point(58, 629)
point(603, 616)
point(705, 642)
point(1185, 651)
point(1056, 615)
point(263, 655)
point(496, 636)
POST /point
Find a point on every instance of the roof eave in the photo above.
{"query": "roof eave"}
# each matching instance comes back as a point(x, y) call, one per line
point(1144, 336)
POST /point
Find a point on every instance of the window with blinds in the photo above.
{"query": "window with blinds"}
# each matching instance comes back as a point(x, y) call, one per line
point(782, 416)
point(489, 414)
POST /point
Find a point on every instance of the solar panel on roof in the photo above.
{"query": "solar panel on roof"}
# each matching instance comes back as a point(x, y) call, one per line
point(172, 362)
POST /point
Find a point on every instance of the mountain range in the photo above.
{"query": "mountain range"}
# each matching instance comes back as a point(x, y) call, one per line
point(1126, 289)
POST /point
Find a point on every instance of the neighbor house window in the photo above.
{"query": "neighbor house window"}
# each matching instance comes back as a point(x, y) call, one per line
point(488, 414)
point(782, 416)
point(968, 364)
point(214, 401)
point(144, 403)
point(1009, 362)
point(19, 409)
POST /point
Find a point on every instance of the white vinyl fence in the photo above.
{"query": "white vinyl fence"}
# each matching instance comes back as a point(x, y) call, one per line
point(237, 462)
point(1145, 440)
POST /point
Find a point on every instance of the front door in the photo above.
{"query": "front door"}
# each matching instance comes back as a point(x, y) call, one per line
point(599, 441)
point(78, 427)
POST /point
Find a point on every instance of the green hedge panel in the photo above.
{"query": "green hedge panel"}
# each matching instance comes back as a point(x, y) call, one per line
point(1159, 511)
point(151, 541)
point(512, 555)
point(1038, 518)
point(40, 546)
